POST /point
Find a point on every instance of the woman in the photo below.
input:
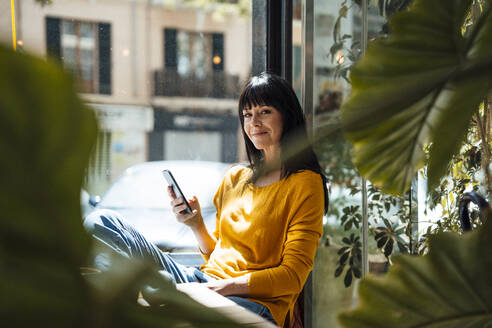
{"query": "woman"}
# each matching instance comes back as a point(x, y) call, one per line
point(268, 225)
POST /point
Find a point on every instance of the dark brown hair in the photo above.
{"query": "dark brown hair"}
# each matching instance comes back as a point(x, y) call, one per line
point(269, 89)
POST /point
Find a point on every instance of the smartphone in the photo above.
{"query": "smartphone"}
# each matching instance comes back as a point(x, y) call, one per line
point(177, 191)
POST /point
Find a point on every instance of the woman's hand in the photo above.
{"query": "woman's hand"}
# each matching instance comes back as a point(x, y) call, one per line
point(192, 219)
point(227, 287)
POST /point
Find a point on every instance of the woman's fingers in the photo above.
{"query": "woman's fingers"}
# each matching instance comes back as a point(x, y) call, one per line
point(179, 208)
point(194, 203)
point(171, 193)
point(177, 201)
point(183, 217)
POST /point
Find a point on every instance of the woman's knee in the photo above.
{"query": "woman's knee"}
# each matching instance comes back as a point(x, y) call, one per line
point(102, 217)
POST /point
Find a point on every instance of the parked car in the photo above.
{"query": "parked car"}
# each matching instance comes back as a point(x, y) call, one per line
point(140, 195)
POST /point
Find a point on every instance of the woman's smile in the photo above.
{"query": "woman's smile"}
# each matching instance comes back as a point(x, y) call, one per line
point(263, 125)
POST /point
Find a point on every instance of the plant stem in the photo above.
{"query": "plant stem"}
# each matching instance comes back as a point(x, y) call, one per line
point(484, 131)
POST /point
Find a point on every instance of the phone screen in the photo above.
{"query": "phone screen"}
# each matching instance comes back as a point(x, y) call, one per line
point(177, 191)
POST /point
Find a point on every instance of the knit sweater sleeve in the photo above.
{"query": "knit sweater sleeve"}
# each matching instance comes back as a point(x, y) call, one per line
point(303, 233)
point(218, 205)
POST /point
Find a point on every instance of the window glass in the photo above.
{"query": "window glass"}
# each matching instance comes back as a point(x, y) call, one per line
point(184, 53)
point(336, 45)
point(200, 62)
point(162, 77)
point(78, 52)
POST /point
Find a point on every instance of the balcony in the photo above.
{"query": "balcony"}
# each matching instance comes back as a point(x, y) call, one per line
point(169, 83)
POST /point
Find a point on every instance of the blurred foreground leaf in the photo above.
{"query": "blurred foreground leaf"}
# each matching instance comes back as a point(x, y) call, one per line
point(420, 85)
point(449, 287)
point(46, 136)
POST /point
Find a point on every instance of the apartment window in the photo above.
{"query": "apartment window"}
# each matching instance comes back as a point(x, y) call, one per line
point(84, 48)
point(193, 53)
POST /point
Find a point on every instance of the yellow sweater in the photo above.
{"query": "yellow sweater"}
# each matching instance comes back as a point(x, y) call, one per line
point(271, 232)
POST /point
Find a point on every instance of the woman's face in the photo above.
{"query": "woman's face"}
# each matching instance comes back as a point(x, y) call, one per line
point(263, 125)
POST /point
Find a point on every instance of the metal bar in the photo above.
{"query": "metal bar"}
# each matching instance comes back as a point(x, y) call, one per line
point(414, 213)
point(286, 47)
point(274, 37)
point(365, 219)
point(307, 66)
point(259, 36)
point(307, 73)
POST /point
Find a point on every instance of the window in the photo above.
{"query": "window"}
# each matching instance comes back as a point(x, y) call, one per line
point(194, 66)
point(84, 49)
point(193, 53)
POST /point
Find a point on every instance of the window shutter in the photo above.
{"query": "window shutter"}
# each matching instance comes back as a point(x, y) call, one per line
point(170, 48)
point(218, 51)
point(53, 44)
point(104, 37)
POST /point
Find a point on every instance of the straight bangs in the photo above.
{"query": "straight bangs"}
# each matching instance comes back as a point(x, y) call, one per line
point(258, 93)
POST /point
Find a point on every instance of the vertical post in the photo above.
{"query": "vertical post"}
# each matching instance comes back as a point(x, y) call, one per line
point(286, 22)
point(272, 37)
point(307, 73)
point(414, 213)
point(307, 66)
point(14, 41)
point(365, 219)
point(259, 34)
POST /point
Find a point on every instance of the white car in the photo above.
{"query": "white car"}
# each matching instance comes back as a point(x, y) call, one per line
point(140, 195)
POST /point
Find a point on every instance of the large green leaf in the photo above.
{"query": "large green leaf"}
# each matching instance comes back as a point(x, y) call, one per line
point(449, 287)
point(46, 136)
point(420, 85)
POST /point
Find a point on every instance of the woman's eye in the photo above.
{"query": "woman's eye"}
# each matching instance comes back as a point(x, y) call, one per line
point(266, 111)
point(247, 115)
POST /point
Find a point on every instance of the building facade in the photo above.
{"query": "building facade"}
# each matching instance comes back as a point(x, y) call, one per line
point(163, 78)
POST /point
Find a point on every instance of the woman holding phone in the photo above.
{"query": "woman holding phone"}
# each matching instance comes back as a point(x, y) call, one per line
point(268, 225)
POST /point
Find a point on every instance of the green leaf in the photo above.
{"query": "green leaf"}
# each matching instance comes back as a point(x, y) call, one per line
point(449, 287)
point(342, 250)
point(420, 85)
point(348, 226)
point(357, 272)
point(387, 206)
point(46, 137)
point(382, 241)
point(339, 270)
point(343, 258)
point(348, 278)
point(403, 248)
point(379, 235)
point(388, 249)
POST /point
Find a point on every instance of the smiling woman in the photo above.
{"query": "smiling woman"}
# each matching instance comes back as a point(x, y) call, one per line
point(267, 228)
point(263, 125)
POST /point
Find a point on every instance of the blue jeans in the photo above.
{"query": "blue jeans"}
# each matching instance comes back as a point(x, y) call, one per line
point(110, 228)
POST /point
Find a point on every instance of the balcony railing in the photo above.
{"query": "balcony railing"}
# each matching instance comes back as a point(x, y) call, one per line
point(170, 83)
